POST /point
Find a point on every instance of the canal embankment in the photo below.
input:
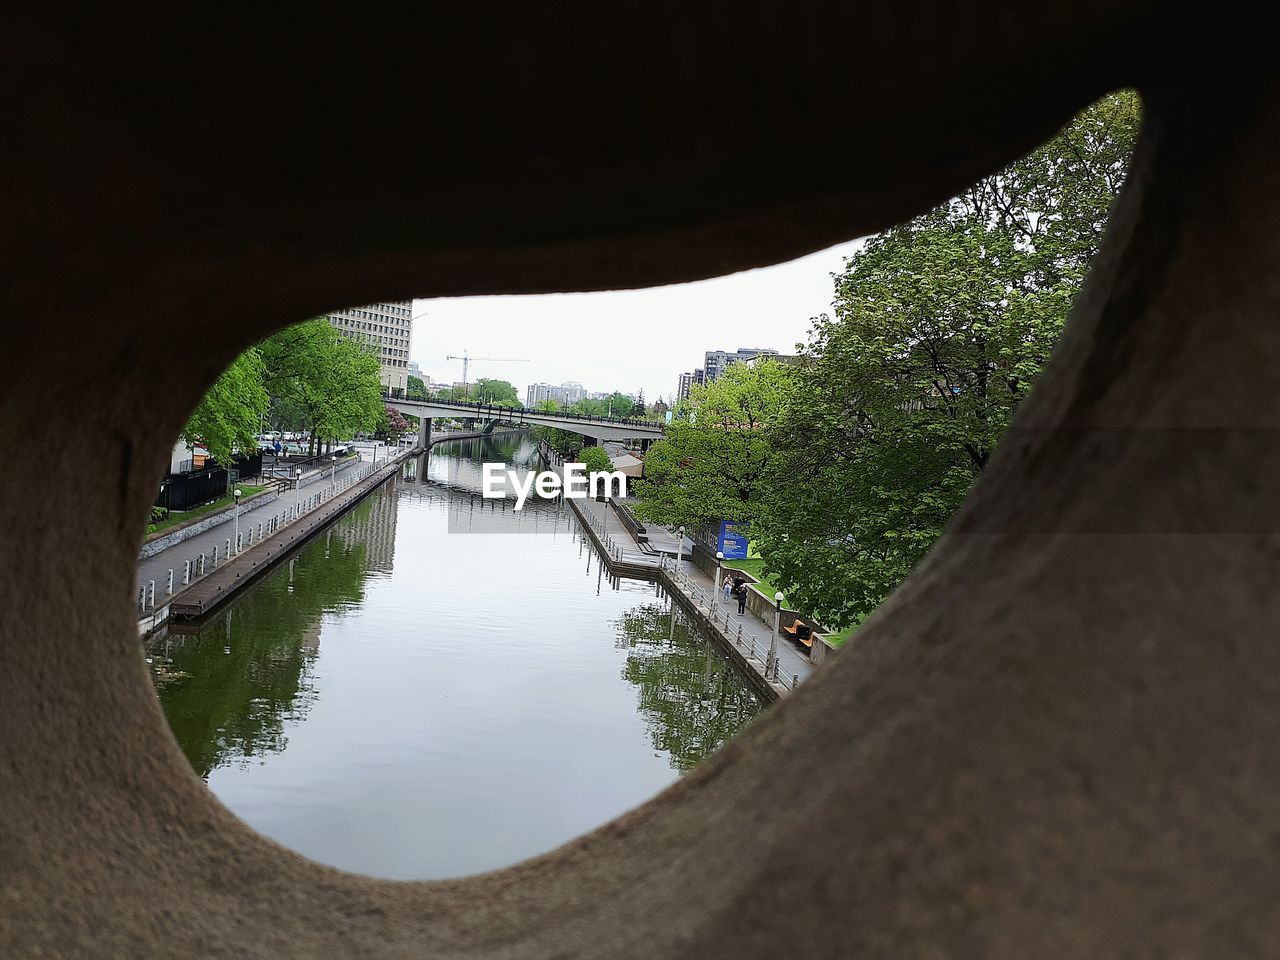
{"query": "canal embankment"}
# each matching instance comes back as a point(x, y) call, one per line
point(193, 578)
point(769, 661)
point(194, 586)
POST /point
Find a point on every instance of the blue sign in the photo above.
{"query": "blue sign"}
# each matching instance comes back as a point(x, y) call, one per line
point(733, 540)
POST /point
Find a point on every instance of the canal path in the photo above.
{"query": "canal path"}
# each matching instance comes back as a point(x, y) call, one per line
point(439, 685)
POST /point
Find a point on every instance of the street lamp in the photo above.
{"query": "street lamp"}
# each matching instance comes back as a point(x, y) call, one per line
point(297, 489)
point(773, 641)
point(679, 548)
point(715, 584)
point(604, 534)
point(236, 494)
point(333, 472)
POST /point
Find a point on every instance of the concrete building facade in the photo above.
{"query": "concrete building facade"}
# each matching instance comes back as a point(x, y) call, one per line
point(388, 327)
point(687, 382)
point(566, 393)
point(718, 361)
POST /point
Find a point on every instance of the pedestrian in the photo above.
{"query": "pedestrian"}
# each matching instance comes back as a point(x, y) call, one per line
point(728, 586)
point(278, 448)
point(742, 598)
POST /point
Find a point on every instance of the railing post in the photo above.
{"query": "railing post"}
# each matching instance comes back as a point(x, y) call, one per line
point(202, 564)
point(169, 590)
point(186, 572)
point(215, 554)
point(228, 548)
point(142, 598)
point(151, 594)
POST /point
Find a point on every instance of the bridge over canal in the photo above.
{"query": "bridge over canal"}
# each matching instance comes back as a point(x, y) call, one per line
point(593, 428)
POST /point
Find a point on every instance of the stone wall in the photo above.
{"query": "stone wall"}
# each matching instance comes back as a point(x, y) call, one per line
point(160, 544)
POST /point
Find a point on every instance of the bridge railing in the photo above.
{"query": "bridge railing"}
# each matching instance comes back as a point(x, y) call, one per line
point(519, 413)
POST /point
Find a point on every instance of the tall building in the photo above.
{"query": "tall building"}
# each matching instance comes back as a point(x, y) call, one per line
point(718, 361)
point(687, 382)
point(567, 393)
point(388, 327)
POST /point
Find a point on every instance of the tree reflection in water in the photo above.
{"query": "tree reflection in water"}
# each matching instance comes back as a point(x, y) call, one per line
point(690, 697)
point(228, 686)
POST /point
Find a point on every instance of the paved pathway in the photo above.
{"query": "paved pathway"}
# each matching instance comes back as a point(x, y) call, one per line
point(793, 666)
point(157, 568)
point(756, 635)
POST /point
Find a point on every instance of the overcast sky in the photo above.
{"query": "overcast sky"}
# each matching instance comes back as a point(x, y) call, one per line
point(627, 339)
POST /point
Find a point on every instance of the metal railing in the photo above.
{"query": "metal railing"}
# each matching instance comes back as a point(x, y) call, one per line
point(616, 551)
point(729, 624)
point(202, 564)
point(518, 414)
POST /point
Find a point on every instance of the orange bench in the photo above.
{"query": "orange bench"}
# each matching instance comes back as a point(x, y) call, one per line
point(800, 632)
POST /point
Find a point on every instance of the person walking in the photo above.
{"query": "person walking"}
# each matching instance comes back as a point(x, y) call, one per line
point(728, 586)
point(742, 597)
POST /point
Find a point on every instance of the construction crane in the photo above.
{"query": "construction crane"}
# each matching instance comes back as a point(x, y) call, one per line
point(466, 359)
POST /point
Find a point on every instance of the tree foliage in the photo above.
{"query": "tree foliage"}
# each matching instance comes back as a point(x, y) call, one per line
point(941, 327)
point(595, 459)
point(713, 463)
point(497, 393)
point(230, 413)
point(321, 381)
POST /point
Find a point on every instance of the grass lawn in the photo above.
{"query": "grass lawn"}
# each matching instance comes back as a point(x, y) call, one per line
point(176, 517)
point(752, 565)
point(840, 636)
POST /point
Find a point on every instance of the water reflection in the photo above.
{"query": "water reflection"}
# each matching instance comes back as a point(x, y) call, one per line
point(229, 687)
point(692, 699)
point(409, 700)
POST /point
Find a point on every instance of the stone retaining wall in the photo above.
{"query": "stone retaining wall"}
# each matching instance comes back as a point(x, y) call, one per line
point(160, 544)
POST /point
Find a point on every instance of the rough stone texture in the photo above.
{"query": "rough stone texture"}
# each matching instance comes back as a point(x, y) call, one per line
point(1059, 739)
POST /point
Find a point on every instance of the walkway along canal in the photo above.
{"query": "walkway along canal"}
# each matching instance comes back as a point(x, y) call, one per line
point(438, 685)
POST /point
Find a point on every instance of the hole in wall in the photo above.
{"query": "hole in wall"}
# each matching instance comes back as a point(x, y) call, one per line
point(422, 683)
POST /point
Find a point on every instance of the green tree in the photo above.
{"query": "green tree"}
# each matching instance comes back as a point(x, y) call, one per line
point(321, 381)
point(595, 459)
point(230, 413)
point(565, 442)
point(941, 327)
point(712, 465)
point(498, 393)
point(415, 389)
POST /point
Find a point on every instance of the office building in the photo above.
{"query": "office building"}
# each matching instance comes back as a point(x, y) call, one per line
point(718, 361)
point(386, 328)
point(565, 394)
point(687, 382)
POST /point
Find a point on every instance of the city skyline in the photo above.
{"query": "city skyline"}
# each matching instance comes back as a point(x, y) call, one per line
point(625, 340)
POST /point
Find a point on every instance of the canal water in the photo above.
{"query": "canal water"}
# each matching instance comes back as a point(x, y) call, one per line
point(440, 685)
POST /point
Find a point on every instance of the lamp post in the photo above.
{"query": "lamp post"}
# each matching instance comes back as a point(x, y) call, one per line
point(772, 665)
point(604, 532)
point(333, 471)
point(679, 548)
point(297, 489)
point(715, 584)
point(236, 493)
